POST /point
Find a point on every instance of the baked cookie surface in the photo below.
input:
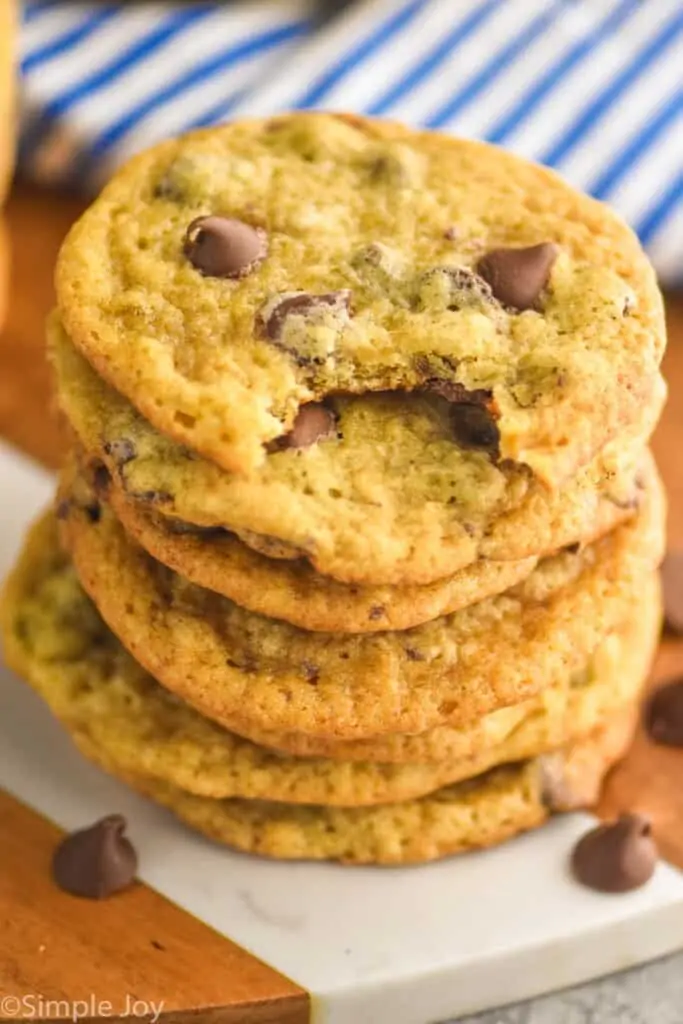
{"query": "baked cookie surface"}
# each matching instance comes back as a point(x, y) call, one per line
point(224, 280)
point(236, 666)
point(394, 501)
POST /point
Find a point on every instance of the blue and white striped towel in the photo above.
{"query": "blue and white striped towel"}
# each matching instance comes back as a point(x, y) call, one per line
point(591, 87)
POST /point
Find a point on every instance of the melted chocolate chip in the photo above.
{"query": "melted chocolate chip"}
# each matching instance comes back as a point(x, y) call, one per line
point(96, 862)
point(458, 394)
point(93, 511)
point(152, 497)
point(101, 479)
point(314, 422)
point(672, 584)
point(616, 857)
point(453, 288)
point(664, 714)
point(271, 320)
point(311, 672)
point(168, 188)
point(223, 247)
point(475, 428)
point(388, 169)
point(518, 276)
point(183, 529)
point(122, 450)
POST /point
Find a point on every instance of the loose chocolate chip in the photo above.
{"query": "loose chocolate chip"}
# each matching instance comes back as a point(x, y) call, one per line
point(314, 422)
point(122, 450)
point(672, 584)
point(518, 276)
point(475, 428)
point(223, 247)
point(616, 857)
point(271, 319)
point(96, 862)
point(664, 714)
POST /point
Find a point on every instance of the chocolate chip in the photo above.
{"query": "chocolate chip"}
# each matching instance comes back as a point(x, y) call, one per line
point(314, 422)
point(223, 247)
point(183, 529)
point(474, 428)
point(311, 672)
point(271, 320)
point(458, 393)
point(472, 412)
point(101, 479)
point(672, 584)
point(453, 288)
point(518, 276)
point(152, 497)
point(664, 714)
point(122, 450)
point(616, 857)
point(388, 169)
point(93, 511)
point(96, 862)
point(167, 188)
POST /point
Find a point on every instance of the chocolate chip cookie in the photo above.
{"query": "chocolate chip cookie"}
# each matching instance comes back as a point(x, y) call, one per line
point(393, 502)
point(234, 280)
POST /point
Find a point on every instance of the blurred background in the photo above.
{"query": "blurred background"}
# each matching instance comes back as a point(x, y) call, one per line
point(591, 87)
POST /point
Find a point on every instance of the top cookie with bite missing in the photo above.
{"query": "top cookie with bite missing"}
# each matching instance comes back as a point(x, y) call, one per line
point(225, 280)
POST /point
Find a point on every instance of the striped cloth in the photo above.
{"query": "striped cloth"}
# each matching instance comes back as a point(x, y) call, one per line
point(591, 87)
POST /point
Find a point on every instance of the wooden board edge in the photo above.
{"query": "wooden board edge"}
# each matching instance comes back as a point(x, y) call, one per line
point(137, 947)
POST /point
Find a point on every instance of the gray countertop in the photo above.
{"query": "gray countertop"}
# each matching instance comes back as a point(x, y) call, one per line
point(652, 994)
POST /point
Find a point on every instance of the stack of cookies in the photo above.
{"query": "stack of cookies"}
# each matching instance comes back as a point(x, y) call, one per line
point(355, 553)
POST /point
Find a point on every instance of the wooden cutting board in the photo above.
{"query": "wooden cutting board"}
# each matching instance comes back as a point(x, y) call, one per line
point(141, 944)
